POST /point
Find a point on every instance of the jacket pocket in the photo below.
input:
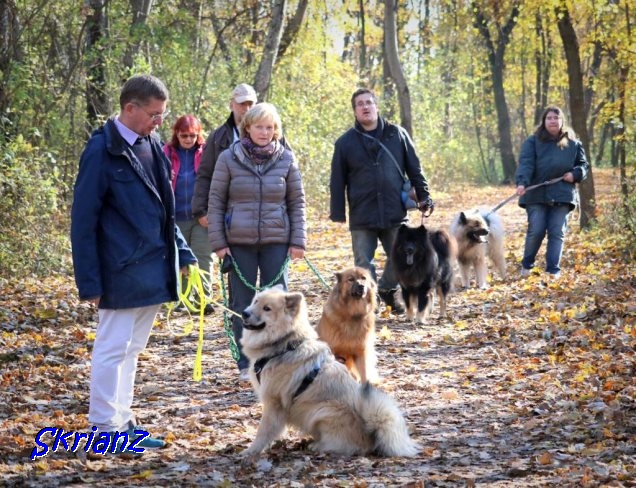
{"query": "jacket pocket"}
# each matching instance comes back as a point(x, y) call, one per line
point(228, 219)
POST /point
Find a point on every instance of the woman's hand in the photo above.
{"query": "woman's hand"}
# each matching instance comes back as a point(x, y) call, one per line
point(296, 253)
point(222, 252)
point(521, 190)
point(569, 177)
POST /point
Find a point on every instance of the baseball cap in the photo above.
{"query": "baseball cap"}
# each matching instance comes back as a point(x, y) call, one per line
point(244, 93)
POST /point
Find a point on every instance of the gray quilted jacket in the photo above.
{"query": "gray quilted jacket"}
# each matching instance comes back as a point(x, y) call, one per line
point(252, 204)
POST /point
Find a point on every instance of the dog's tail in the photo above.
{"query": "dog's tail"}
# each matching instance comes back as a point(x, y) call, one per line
point(444, 244)
point(386, 424)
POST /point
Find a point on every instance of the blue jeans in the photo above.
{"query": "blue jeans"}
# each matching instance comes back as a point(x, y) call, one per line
point(250, 260)
point(364, 243)
point(542, 219)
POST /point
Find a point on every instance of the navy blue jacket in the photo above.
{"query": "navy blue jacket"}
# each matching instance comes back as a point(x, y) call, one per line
point(372, 182)
point(541, 161)
point(126, 245)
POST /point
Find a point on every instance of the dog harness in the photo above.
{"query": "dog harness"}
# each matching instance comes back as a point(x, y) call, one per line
point(307, 380)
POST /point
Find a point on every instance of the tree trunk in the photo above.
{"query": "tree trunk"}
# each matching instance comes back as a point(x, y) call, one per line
point(10, 53)
point(496, 62)
point(291, 29)
point(266, 66)
point(363, 45)
point(141, 11)
point(395, 68)
point(97, 100)
point(543, 62)
point(577, 108)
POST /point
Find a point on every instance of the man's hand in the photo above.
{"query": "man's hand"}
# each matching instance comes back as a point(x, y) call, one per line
point(426, 206)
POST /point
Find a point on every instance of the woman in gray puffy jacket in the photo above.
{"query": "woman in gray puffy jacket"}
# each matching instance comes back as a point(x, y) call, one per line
point(256, 211)
point(551, 152)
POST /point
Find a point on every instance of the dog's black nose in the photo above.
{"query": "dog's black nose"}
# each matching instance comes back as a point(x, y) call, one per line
point(246, 315)
point(357, 290)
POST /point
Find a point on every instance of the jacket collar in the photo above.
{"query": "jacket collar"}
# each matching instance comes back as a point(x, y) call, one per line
point(380, 128)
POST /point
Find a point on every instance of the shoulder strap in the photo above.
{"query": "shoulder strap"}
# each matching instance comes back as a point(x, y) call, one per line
point(397, 166)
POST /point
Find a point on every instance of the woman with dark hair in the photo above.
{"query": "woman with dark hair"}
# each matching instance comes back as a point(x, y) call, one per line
point(184, 151)
point(551, 152)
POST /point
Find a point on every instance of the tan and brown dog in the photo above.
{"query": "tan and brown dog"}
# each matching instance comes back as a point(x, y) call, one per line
point(348, 322)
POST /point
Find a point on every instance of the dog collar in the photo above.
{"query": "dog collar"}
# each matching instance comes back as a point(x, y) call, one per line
point(260, 364)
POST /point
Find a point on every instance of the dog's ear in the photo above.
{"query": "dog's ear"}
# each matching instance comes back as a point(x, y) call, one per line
point(338, 276)
point(293, 302)
point(462, 218)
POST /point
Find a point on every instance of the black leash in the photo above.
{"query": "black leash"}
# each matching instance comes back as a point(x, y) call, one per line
point(528, 188)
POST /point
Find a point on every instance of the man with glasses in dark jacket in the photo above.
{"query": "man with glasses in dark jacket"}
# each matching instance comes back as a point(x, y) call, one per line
point(364, 171)
point(127, 251)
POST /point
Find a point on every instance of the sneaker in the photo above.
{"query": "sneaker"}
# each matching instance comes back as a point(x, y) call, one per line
point(147, 442)
point(554, 276)
point(244, 375)
point(118, 451)
point(525, 272)
point(388, 297)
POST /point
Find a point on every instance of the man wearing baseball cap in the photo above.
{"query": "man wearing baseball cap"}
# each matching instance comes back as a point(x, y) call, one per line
point(243, 98)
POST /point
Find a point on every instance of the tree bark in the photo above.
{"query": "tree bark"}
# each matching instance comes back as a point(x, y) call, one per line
point(363, 40)
point(291, 29)
point(10, 51)
point(496, 51)
point(543, 62)
point(141, 11)
point(272, 42)
point(97, 100)
point(577, 108)
point(393, 62)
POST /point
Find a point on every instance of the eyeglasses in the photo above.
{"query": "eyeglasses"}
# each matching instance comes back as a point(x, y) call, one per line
point(155, 117)
point(188, 136)
point(365, 103)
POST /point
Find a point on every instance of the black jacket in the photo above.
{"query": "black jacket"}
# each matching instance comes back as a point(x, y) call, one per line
point(216, 143)
point(372, 182)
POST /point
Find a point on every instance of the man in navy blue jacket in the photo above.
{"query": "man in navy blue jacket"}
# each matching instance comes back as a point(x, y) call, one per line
point(127, 249)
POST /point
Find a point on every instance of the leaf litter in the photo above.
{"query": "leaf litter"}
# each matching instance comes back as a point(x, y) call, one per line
point(528, 383)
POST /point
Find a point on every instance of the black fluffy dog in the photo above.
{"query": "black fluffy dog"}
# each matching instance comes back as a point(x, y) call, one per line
point(423, 263)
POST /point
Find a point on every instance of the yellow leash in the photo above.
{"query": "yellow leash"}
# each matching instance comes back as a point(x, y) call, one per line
point(196, 281)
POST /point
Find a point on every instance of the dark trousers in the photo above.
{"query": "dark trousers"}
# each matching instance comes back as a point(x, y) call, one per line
point(262, 262)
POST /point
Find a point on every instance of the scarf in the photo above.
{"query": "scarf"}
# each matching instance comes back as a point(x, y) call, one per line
point(258, 154)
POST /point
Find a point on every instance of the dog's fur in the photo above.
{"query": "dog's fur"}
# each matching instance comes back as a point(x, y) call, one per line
point(347, 323)
point(423, 261)
point(479, 234)
point(342, 416)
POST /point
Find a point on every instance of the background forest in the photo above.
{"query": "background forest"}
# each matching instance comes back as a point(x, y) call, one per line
point(467, 79)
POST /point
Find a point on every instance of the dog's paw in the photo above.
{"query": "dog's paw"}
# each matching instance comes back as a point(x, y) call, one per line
point(249, 456)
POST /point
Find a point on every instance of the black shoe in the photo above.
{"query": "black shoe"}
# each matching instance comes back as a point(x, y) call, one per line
point(388, 297)
point(208, 309)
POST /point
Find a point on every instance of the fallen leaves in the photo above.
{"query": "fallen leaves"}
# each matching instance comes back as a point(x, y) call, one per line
point(527, 383)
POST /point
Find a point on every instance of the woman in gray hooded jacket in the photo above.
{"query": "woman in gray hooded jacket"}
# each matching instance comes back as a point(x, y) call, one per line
point(256, 211)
